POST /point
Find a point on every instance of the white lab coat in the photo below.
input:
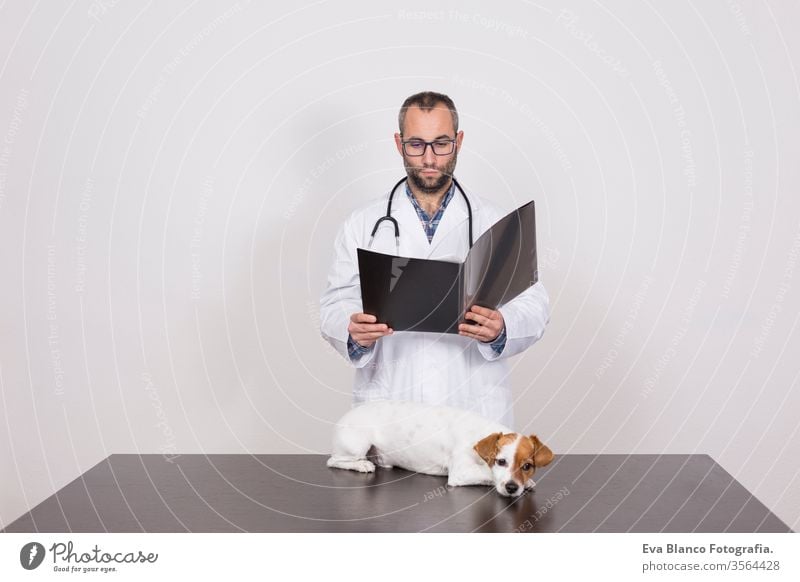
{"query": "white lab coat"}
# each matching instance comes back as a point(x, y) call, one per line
point(434, 368)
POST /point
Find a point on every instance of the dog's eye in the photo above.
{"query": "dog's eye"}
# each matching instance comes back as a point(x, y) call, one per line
point(501, 462)
point(527, 467)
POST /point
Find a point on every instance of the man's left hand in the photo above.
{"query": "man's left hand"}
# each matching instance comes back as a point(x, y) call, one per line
point(488, 324)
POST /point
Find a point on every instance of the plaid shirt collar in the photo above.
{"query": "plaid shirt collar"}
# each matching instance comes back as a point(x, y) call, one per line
point(430, 223)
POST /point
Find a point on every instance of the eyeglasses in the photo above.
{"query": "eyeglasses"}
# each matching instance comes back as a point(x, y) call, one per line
point(417, 147)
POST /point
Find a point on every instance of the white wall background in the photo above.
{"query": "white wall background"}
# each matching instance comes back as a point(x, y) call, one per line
point(172, 176)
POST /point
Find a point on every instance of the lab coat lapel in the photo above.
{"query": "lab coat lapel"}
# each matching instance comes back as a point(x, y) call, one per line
point(450, 240)
point(413, 240)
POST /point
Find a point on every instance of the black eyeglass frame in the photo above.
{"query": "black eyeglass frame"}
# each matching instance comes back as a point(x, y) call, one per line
point(452, 142)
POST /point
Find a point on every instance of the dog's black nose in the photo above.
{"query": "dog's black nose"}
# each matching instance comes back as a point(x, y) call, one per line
point(511, 487)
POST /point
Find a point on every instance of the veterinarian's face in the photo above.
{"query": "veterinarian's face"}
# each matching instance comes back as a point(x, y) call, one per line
point(429, 173)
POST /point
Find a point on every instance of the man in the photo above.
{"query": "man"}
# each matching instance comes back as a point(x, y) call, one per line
point(468, 370)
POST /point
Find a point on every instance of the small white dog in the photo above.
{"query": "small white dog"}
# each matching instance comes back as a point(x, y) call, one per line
point(437, 440)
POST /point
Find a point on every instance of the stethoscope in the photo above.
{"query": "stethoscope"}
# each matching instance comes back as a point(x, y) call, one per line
point(391, 219)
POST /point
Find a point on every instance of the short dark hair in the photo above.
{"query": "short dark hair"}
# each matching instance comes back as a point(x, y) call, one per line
point(426, 101)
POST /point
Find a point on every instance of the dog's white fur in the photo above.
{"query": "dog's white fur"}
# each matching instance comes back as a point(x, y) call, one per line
point(437, 440)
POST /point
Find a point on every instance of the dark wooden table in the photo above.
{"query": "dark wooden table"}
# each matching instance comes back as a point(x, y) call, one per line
point(298, 493)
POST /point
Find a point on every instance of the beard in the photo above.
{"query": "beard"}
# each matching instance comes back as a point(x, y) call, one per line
point(436, 183)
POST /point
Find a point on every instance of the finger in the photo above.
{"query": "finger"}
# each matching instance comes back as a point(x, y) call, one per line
point(474, 330)
point(482, 320)
point(474, 336)
point(370, 335)
point(368, 326)
point(371, 327)
point(484, 311)
point(363, 318)
point(483, 332)
point(379, 328)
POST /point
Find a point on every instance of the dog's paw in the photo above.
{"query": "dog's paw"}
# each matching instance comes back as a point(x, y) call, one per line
point(363, 466)
point(467, 482)
point(360, 465)
point(530, 484)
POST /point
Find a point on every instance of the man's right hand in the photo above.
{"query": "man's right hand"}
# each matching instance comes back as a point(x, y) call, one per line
point(365, 331)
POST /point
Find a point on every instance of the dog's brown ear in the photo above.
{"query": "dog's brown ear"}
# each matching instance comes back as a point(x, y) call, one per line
point(487, 447)
point(542, 455)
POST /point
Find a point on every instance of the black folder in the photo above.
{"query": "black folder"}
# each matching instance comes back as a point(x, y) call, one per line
point(411, 294)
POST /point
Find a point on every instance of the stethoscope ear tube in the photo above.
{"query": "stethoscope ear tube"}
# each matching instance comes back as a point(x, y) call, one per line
point(469, 208)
